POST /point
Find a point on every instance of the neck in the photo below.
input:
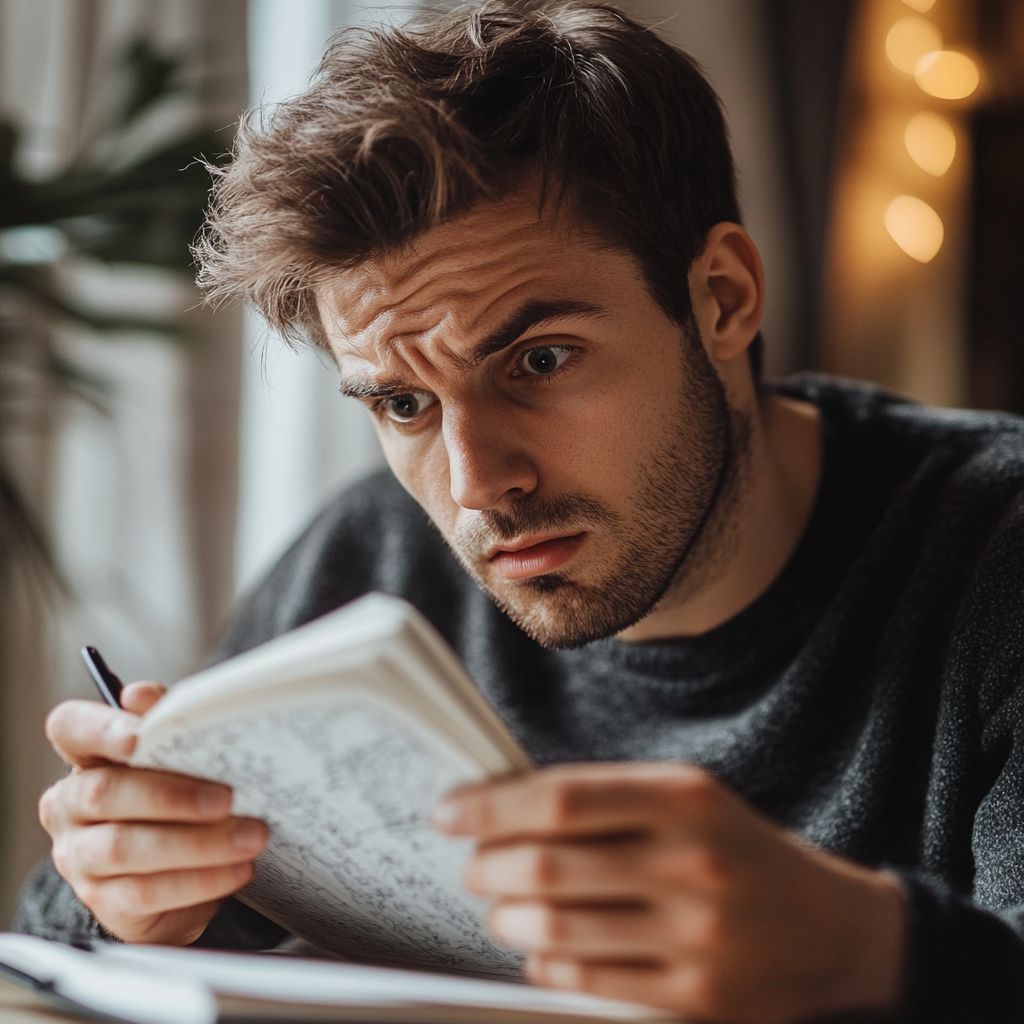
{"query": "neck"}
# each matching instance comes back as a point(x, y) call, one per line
point(745, 547)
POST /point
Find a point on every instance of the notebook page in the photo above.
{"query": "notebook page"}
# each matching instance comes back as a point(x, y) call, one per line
point(346, 780)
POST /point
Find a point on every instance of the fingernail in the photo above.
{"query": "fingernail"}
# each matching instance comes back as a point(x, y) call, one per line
point(448, 815)
point(214, 800)
point(249, 836)
point(120, 733)
point(518, 924)
point(560, 973)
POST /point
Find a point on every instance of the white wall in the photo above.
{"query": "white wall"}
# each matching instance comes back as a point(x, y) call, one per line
point(730, 39)
point(300, 439)
point(114, 485)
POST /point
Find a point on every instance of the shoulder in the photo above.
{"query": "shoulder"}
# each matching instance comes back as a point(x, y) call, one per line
point(960, 447)
point(943, 490)
point(372, 536)
point(948, 542)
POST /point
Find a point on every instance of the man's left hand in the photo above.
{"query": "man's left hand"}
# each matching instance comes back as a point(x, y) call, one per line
point(655, 883)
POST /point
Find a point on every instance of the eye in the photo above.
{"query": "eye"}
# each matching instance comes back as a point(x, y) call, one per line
point(539, 362)
point(405, 408)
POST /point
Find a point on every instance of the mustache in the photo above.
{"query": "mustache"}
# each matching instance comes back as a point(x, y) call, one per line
point(535, 515)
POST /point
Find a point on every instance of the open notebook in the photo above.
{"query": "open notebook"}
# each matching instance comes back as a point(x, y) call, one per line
point(342, 735)
point(160, 985)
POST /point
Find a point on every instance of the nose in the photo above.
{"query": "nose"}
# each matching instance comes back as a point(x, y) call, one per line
point(488, 462)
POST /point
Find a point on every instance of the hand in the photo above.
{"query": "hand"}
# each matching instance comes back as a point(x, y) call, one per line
point(654, 883)
point(152, 854)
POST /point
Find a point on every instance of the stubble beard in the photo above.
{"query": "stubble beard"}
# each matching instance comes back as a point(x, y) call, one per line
point(686, 497)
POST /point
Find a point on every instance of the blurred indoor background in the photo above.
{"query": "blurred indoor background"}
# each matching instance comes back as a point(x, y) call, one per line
point(155, 457)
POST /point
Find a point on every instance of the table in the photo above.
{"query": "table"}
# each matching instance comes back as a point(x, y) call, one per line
point(22, 1006)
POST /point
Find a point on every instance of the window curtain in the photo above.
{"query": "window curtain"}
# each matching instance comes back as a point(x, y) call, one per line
point(137, 493)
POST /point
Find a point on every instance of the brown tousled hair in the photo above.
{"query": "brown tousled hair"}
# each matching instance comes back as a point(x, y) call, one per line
point(404, 128)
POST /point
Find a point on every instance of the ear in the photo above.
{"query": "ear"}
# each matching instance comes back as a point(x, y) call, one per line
point(727, 291)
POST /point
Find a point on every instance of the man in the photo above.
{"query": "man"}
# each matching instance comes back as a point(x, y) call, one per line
point(767, 640)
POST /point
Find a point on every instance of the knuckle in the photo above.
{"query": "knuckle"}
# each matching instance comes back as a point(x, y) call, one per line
point(63, 858)
point(117, 845)
point(562, 803)
point(131, 893)
point(708, 929)
point(700, 991)
point(552, 926)
point(90, 894)
point(543, 870)
point(712, 867)
point(95, 787)
point(48, 806)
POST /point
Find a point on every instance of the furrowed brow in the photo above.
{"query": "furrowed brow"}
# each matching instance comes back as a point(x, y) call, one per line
point(532, 315)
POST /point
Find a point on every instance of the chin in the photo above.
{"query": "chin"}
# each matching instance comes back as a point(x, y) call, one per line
point(562, 614)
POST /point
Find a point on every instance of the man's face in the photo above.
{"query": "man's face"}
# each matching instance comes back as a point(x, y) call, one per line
point(565, 436)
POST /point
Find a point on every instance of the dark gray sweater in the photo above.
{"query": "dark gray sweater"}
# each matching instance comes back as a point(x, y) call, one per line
point(871, 699)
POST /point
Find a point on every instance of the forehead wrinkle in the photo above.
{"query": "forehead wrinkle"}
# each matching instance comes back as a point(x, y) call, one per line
point(453, 257)
point(371, 303)
point(446, 322)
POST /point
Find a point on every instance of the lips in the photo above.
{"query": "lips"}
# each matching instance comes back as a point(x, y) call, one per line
point(531, 557)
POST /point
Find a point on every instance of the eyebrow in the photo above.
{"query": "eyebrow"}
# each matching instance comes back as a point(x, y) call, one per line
point(534, 314)
point(367, 387)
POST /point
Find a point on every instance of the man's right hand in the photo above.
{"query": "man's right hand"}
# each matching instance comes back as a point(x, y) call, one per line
point(152, 854)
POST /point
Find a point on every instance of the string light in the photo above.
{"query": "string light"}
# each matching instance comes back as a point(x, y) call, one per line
point(947, 75)
point(931, 142)
point(909, 41)
point(915, 227)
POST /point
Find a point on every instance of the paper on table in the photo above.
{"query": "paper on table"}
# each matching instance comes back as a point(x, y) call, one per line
point(323, 982)
point(108, 986)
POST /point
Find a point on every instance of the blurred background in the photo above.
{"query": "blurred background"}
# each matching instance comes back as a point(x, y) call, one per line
point(156, 458)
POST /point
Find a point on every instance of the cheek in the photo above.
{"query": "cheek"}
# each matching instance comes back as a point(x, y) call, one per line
point(421, 467)
point(599, 443)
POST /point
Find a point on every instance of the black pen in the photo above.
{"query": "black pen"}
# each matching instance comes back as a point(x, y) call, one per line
point(107, 683)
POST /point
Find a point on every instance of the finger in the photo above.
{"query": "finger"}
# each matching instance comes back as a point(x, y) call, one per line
point(86, 733)
point(140, 697)
point(581, 932)
point(583, 800)
point(128, 899)
point(109, 850)
point(690, 928)
point(601, 869)
point(582, 870)
point(113, 793)
point(690, 989)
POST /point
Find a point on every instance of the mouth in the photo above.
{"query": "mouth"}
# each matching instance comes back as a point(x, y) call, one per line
point(534, 556)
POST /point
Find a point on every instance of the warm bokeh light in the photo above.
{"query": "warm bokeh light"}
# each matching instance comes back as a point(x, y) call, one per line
point(947, 75)
point(920, 5)
point(931, 142)
point(915, 227)
point(909, 40)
